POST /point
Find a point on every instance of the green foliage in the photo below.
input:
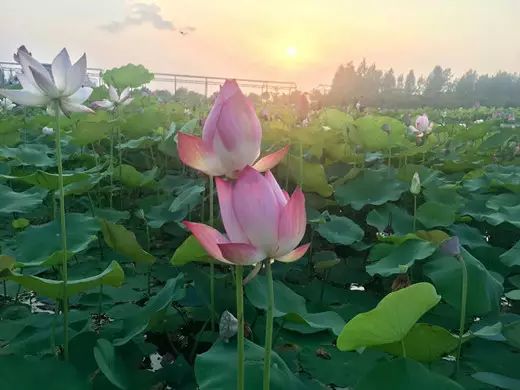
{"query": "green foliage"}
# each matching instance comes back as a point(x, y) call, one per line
point(129, 75)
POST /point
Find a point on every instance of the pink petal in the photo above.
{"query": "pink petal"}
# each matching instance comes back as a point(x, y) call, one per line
point(225, 201)
point(241, 254)
point(209, 238)
point(295, 254)
point(193, 153)
point(271, 160)
point(281, 195)
point(293, 221)
point(257, 209)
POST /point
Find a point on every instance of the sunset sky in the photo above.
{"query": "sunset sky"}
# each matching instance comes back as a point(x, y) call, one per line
point(294, 40)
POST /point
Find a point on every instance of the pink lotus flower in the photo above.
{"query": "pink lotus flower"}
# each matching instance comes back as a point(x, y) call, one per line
point(423, 124)
point(261, 221)
point(231, 138)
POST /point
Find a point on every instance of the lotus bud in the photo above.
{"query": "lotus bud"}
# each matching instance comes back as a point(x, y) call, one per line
point(48, 131)
point(415, 186)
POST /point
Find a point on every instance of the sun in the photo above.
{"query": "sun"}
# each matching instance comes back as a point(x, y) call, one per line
point(291, 51)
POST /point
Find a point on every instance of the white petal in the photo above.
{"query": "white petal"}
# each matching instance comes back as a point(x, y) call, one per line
point(60, 67)
point(68, 106)
point(124, 95)
point(127, 101)
point(26, 98)
point(105, 103)
point(79, 96)
point(45, 83)
point(28, 83)
point(27, 61)
point(112, 93)
point(76, 75)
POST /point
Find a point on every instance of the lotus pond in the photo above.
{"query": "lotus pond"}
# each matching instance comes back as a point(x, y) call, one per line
point(373, 253)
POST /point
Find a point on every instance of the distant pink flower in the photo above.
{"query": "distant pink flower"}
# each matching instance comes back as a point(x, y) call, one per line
point(231, 138)
point(423, 124)
point(260, 219)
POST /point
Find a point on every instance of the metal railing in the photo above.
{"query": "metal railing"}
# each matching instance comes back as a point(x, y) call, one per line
point(177, 80)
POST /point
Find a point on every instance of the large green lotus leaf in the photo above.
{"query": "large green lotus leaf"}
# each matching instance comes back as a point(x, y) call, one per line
point(136, 324)
point(444, 195)
point(40, 242)
point(143, 123)
point(336, 119)
point(373, 187)
point(32, 374)
point(405, 374)
point(48, 180)
point(29, 154)
point(190, 250)
point(469, 236)
point(129, 75)
point(401, 221)
point(88, 132)
point(188, 198)
point(391, 320)
point(109, 364)
point(292, 306)
point(433, 214)
point(132, 178)
point(484, 290)
point(9, 130)
point(340, 230)
point(425, 343)
point(512, 256)
point(401, 258)
point(83, 186)
point(216, 368)
point(497, 380)
point(314, 176)
point(140, 143)
point(20, 202)
point(368, 132)
point(113, 275)
point(123, 241)
point(512, 333)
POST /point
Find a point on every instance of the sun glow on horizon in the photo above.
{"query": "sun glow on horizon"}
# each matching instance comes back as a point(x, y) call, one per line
point(291, 51)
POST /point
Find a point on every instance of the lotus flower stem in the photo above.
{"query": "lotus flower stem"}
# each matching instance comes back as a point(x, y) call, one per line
point(5, 289)
point(414, 211)
point(301, 166)
point(111, 166)
point(63, 235)
point(240, 316)
point(211, 266)
point(403, 348)
point(268, 326)
point(463, 299)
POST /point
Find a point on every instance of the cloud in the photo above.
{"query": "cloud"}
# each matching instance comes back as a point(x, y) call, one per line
point(141, 13)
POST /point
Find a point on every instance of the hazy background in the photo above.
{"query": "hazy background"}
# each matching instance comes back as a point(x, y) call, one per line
point(246, 38)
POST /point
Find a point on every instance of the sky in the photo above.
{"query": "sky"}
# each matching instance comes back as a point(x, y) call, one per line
point(291, 40)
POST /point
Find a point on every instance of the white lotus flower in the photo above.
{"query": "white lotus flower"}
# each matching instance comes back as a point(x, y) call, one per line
point(48, 131)
point(6, 105)
point(422, 126)
point(60, 88)
point(114, 99)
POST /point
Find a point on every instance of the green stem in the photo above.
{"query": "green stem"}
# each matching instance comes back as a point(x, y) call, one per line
point(211, 266)
point(5, 289)
point(111, 166)
point(268, 326)
point(414, 211)
point(463, 299)
point(301, 166)
point(63, 235)
point(240, 316)
point(403, 349)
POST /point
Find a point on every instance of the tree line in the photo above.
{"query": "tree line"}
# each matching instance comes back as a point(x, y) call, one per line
point(374, 87)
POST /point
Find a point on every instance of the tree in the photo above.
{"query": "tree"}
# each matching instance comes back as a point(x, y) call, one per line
point(389, 82)
point(409, 84)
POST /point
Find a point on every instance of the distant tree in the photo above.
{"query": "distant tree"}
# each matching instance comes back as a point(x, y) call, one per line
point(400, 82)
point(409, 85)
point(389, 83)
